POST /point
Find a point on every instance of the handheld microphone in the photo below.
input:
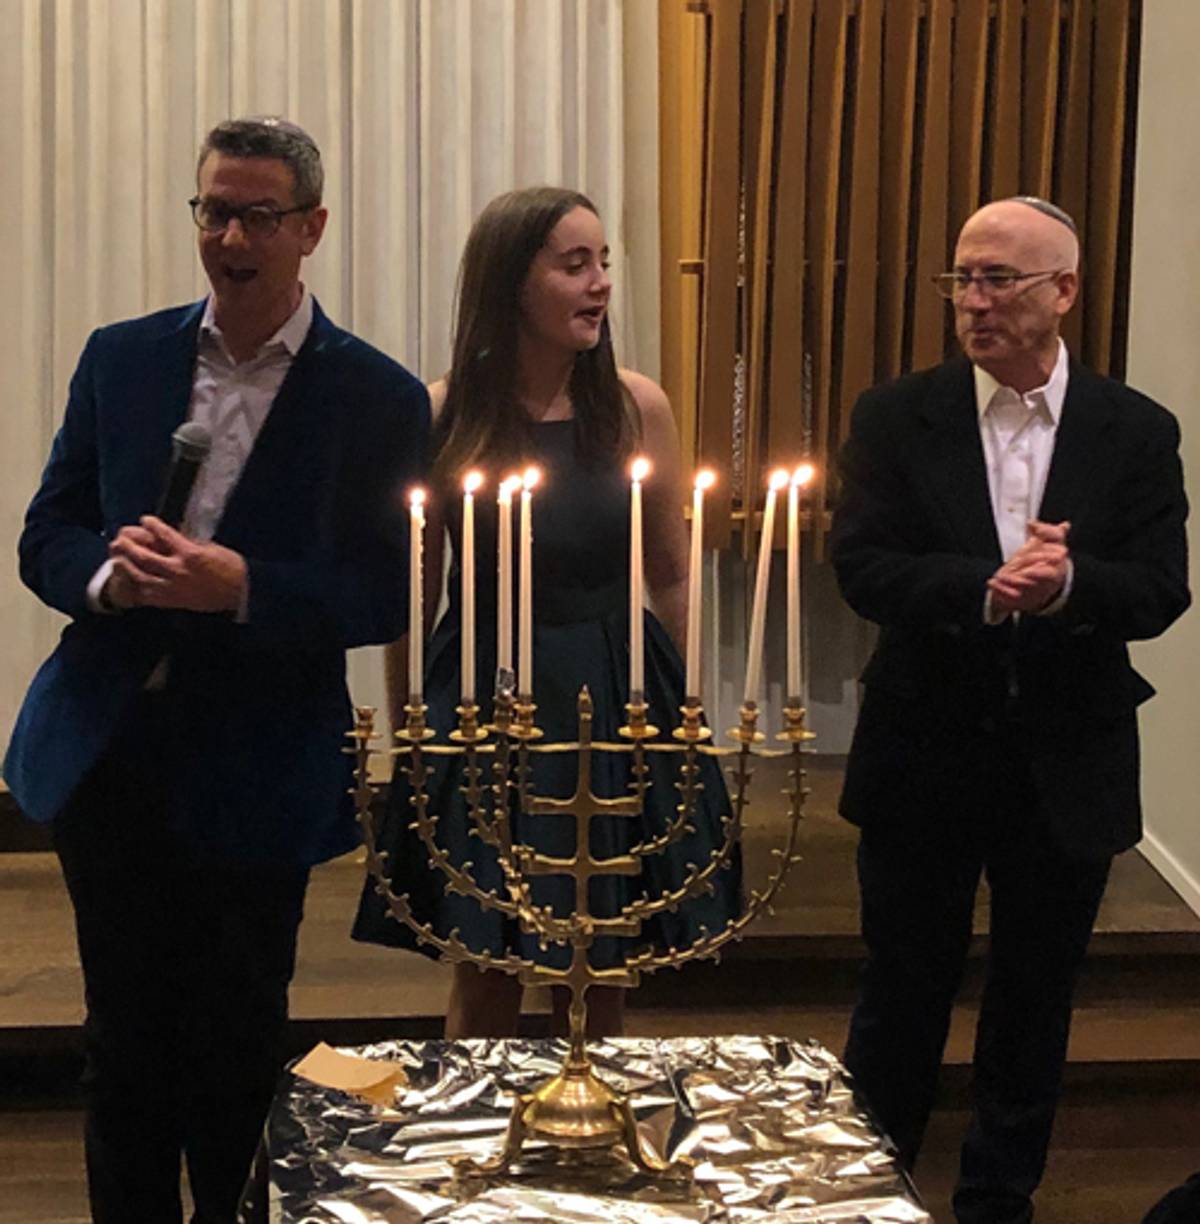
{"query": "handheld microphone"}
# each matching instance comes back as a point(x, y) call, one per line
point(190, 445)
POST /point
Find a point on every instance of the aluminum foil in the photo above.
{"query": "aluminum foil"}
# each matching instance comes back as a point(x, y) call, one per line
point(770, 1123)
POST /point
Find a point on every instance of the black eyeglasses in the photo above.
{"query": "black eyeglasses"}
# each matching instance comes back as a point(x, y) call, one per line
point(995, 283)
point(257, 220)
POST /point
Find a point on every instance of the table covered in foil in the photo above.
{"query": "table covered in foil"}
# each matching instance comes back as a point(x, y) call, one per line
point(771, 1125)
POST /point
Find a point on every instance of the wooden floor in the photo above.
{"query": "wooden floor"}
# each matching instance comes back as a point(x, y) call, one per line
point(1129, 1127)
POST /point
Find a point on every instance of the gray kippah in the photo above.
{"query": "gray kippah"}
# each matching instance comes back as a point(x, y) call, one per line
point(1047, 209)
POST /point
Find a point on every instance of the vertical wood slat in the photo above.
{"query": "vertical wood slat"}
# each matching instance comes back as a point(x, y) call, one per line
point(901, 18)
point(758, 44)
point(1072, 189)
point(824, 170)
point(862, 241)
point(674, 99)
point(692, 281)
point(968, 100)
point(948, 102)
point(680, 152)
point(758, 135)
point(1110, 57)
point(929, 311)
point(785, 407)
point(1043, 26)
point(1006, 101)
point(718, 328)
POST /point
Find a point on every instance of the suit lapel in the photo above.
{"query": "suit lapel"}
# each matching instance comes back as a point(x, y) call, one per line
point(155, 408)
point(1078, 445)
point(955, 465)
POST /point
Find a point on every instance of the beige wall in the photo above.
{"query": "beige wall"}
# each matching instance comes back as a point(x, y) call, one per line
point(1164, 361)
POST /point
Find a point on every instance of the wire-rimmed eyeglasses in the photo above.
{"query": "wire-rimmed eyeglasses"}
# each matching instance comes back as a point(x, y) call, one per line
point(995, 282)
point(257, 220)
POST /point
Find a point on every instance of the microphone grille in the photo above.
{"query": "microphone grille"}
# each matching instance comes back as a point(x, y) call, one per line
point(192, 441)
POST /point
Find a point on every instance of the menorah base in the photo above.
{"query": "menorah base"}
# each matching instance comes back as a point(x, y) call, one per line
point(576, 1110)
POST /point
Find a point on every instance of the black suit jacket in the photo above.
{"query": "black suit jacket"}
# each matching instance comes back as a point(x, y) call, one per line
point(914, 543)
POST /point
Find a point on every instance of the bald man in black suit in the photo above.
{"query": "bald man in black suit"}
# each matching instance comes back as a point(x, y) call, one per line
point(1010, 520)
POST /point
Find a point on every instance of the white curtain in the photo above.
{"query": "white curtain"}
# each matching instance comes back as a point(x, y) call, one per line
point(423, 109)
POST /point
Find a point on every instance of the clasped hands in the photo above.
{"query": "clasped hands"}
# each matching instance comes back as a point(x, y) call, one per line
point(155, 566)
point(1034, 576)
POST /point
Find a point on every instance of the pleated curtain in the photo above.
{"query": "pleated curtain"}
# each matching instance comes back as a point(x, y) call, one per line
point(423, 109)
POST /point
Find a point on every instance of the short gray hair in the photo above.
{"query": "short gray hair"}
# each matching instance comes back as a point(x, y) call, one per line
point(271, 136)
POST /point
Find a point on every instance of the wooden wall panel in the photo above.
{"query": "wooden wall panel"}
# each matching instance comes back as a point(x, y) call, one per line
point(862, 244)
point(824, 170)
point(968, 101)
point(843, 143)
point(900, 23)
point(1043, 25)
point(1005, 134)
point(1111, 56)
point(760, 33)
point(928, 310)
point(786, 414)
point(680, 162)
point(1073, 152)
point(718, 328)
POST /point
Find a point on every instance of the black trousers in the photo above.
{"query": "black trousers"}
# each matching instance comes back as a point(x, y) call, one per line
point(186, 967)
point(918, 881)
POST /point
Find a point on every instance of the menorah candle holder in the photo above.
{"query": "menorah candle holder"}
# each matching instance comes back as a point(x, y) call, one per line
point(575, 1109)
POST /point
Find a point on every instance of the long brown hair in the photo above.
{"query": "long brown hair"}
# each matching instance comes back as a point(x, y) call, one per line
point(482, 420)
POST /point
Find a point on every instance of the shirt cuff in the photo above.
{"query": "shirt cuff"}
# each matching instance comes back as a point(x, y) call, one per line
point(990, 615)
point(95, 590)
point(1060, 600)
point(242, 615)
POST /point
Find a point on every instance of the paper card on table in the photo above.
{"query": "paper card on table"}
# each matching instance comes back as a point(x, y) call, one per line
point(373, 1078)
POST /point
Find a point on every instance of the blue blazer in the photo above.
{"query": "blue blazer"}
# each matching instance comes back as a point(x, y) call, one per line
point(254, 713)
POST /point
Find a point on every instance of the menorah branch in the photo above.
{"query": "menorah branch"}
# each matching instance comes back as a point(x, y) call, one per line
point(575, 1109)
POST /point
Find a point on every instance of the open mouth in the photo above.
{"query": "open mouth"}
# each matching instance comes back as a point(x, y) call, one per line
point(593, 315)
point(240, 276)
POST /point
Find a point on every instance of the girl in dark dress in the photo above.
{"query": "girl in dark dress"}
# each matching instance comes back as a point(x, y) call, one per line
point(533, 380)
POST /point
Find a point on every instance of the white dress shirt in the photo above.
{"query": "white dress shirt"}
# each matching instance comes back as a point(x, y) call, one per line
point(231, 400)
point(1018, 432)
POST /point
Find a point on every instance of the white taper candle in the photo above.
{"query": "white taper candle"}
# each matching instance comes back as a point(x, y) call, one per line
point(637, 649)
point(525, 595)
point(504, 583)
point(695, 626)
point(758, 616)
point(471, 483)
point(416, 617)
point(795, 677)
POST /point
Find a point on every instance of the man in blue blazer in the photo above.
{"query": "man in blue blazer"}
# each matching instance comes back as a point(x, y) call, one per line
point(1011, 521)
point(186, 737)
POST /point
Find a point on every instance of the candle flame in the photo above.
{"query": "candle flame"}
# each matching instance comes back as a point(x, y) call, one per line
point(779, 479)
point(508, 486)
point(416, 498)
point(530, 478)
point(472, 481)
point(640, 469)
point(803, 474)
point(705, 478)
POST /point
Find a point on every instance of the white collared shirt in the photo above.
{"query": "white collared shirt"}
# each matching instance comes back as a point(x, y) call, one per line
point(232, 401)
point(1018, 432)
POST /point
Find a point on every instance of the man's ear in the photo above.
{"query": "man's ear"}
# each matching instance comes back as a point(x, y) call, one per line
point(314, 227)
point(1068, 291)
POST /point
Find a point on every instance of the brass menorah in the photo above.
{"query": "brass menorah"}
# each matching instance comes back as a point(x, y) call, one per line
point(575, 1109)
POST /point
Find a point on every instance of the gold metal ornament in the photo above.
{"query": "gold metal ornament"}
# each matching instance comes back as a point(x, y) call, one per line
point(575, 1109)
